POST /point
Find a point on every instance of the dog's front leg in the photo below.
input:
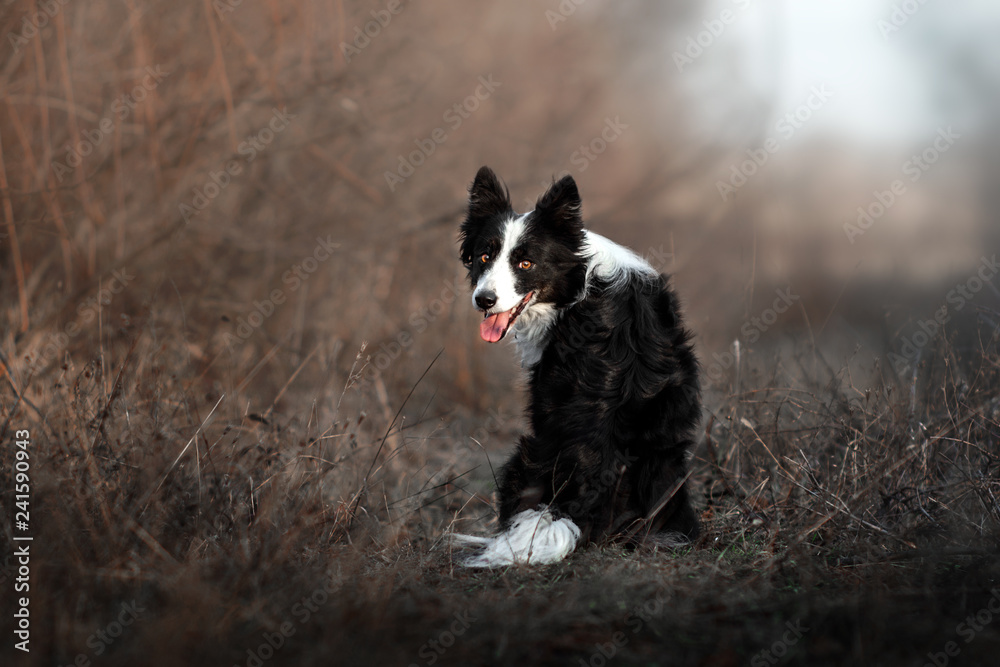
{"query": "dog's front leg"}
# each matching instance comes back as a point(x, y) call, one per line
point(519, 489)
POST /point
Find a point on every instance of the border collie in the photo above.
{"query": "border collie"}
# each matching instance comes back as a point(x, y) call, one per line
point(614, 392)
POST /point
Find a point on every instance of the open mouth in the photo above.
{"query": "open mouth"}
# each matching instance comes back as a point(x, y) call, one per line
point(494, 327)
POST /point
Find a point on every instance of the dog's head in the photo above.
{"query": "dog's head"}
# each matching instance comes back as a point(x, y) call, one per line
point(521, 262)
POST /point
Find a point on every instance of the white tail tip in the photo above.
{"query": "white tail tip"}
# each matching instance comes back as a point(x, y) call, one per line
point(534, 537)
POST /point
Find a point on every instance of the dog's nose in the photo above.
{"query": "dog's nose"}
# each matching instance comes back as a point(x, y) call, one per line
point(486, 300)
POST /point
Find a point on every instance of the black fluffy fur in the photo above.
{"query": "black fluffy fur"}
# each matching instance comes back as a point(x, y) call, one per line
point(614, 400)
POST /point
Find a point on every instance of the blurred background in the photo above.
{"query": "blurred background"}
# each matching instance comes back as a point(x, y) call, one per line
point(740, 144)
point(234, 225)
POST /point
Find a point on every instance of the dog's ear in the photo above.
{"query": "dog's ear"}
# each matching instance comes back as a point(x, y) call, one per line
point(561, 205)
point(488, 196)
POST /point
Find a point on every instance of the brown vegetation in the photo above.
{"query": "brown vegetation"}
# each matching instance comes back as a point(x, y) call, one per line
point(261, 414)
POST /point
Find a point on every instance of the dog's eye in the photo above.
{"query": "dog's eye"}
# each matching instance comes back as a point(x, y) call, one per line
point(525, 265)
point(485, 257)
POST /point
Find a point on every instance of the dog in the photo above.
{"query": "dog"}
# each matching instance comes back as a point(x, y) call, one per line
point(614, 397)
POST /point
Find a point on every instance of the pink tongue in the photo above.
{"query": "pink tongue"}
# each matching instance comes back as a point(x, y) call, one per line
point(492, 328)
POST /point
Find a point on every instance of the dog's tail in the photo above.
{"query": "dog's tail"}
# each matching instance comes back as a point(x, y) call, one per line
point(534, 537)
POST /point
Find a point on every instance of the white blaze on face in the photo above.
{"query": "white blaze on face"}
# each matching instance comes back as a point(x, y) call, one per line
point(499, 278)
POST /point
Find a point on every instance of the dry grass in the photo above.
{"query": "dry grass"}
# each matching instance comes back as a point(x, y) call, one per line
point(220, 481)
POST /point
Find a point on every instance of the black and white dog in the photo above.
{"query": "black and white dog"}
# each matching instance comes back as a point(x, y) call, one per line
point(613, 379)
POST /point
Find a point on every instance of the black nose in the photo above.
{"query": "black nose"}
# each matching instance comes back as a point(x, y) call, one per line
point(486, 300)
